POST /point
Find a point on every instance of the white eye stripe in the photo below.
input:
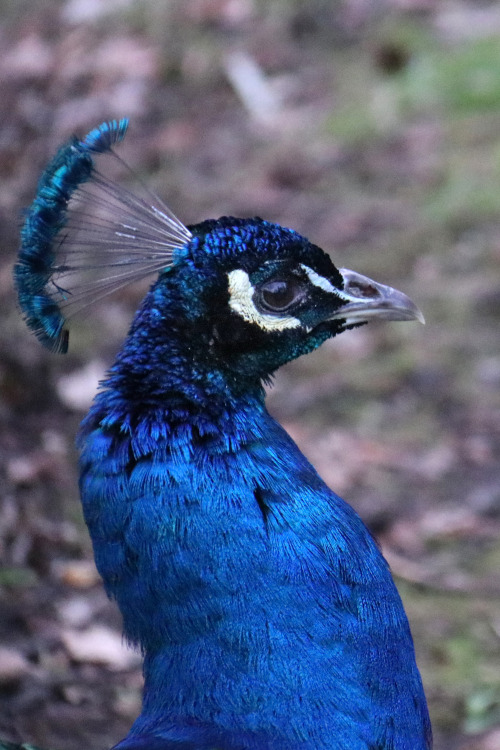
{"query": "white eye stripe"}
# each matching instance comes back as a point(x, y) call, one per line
point(241, 302)
point(318, 280)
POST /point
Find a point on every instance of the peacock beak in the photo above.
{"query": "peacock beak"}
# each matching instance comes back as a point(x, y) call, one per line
point(366, 299)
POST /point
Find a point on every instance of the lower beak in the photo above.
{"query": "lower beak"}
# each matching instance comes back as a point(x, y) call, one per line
point(366, 299)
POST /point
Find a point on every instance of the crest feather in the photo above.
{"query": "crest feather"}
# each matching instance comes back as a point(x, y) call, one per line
point(84, 236)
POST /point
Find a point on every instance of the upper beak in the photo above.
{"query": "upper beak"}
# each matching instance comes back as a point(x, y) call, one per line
point(366, 299)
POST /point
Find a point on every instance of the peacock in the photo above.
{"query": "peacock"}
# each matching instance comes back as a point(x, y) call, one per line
point(265, 612)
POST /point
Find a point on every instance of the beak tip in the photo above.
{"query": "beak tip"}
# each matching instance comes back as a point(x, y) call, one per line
point(417, 313)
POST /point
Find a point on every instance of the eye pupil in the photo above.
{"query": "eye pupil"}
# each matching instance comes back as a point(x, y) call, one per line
point(278, 295)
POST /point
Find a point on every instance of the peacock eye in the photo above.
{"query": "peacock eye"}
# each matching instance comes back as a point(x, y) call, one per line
point(279, 295)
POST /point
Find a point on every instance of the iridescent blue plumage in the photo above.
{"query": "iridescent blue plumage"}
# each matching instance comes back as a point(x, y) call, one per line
point(266, 613)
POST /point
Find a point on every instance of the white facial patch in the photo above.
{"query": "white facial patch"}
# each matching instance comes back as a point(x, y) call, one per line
point(241, 301)
point(318, 280)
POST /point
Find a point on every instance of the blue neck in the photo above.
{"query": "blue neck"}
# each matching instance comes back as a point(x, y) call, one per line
point(233, 581)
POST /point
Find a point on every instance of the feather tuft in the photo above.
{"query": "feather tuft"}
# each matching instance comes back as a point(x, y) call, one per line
point(105, 136)
point(84, 236)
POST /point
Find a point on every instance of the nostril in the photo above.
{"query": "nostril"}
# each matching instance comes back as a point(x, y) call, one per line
point(367, 291)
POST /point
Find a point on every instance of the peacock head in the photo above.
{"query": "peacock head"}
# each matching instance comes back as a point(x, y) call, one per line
point(239, 296)
point(254, 295)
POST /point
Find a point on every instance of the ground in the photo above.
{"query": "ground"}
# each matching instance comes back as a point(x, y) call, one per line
point(370, 127)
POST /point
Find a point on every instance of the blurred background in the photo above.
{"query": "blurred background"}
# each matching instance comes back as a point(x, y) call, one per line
point(370, 126)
